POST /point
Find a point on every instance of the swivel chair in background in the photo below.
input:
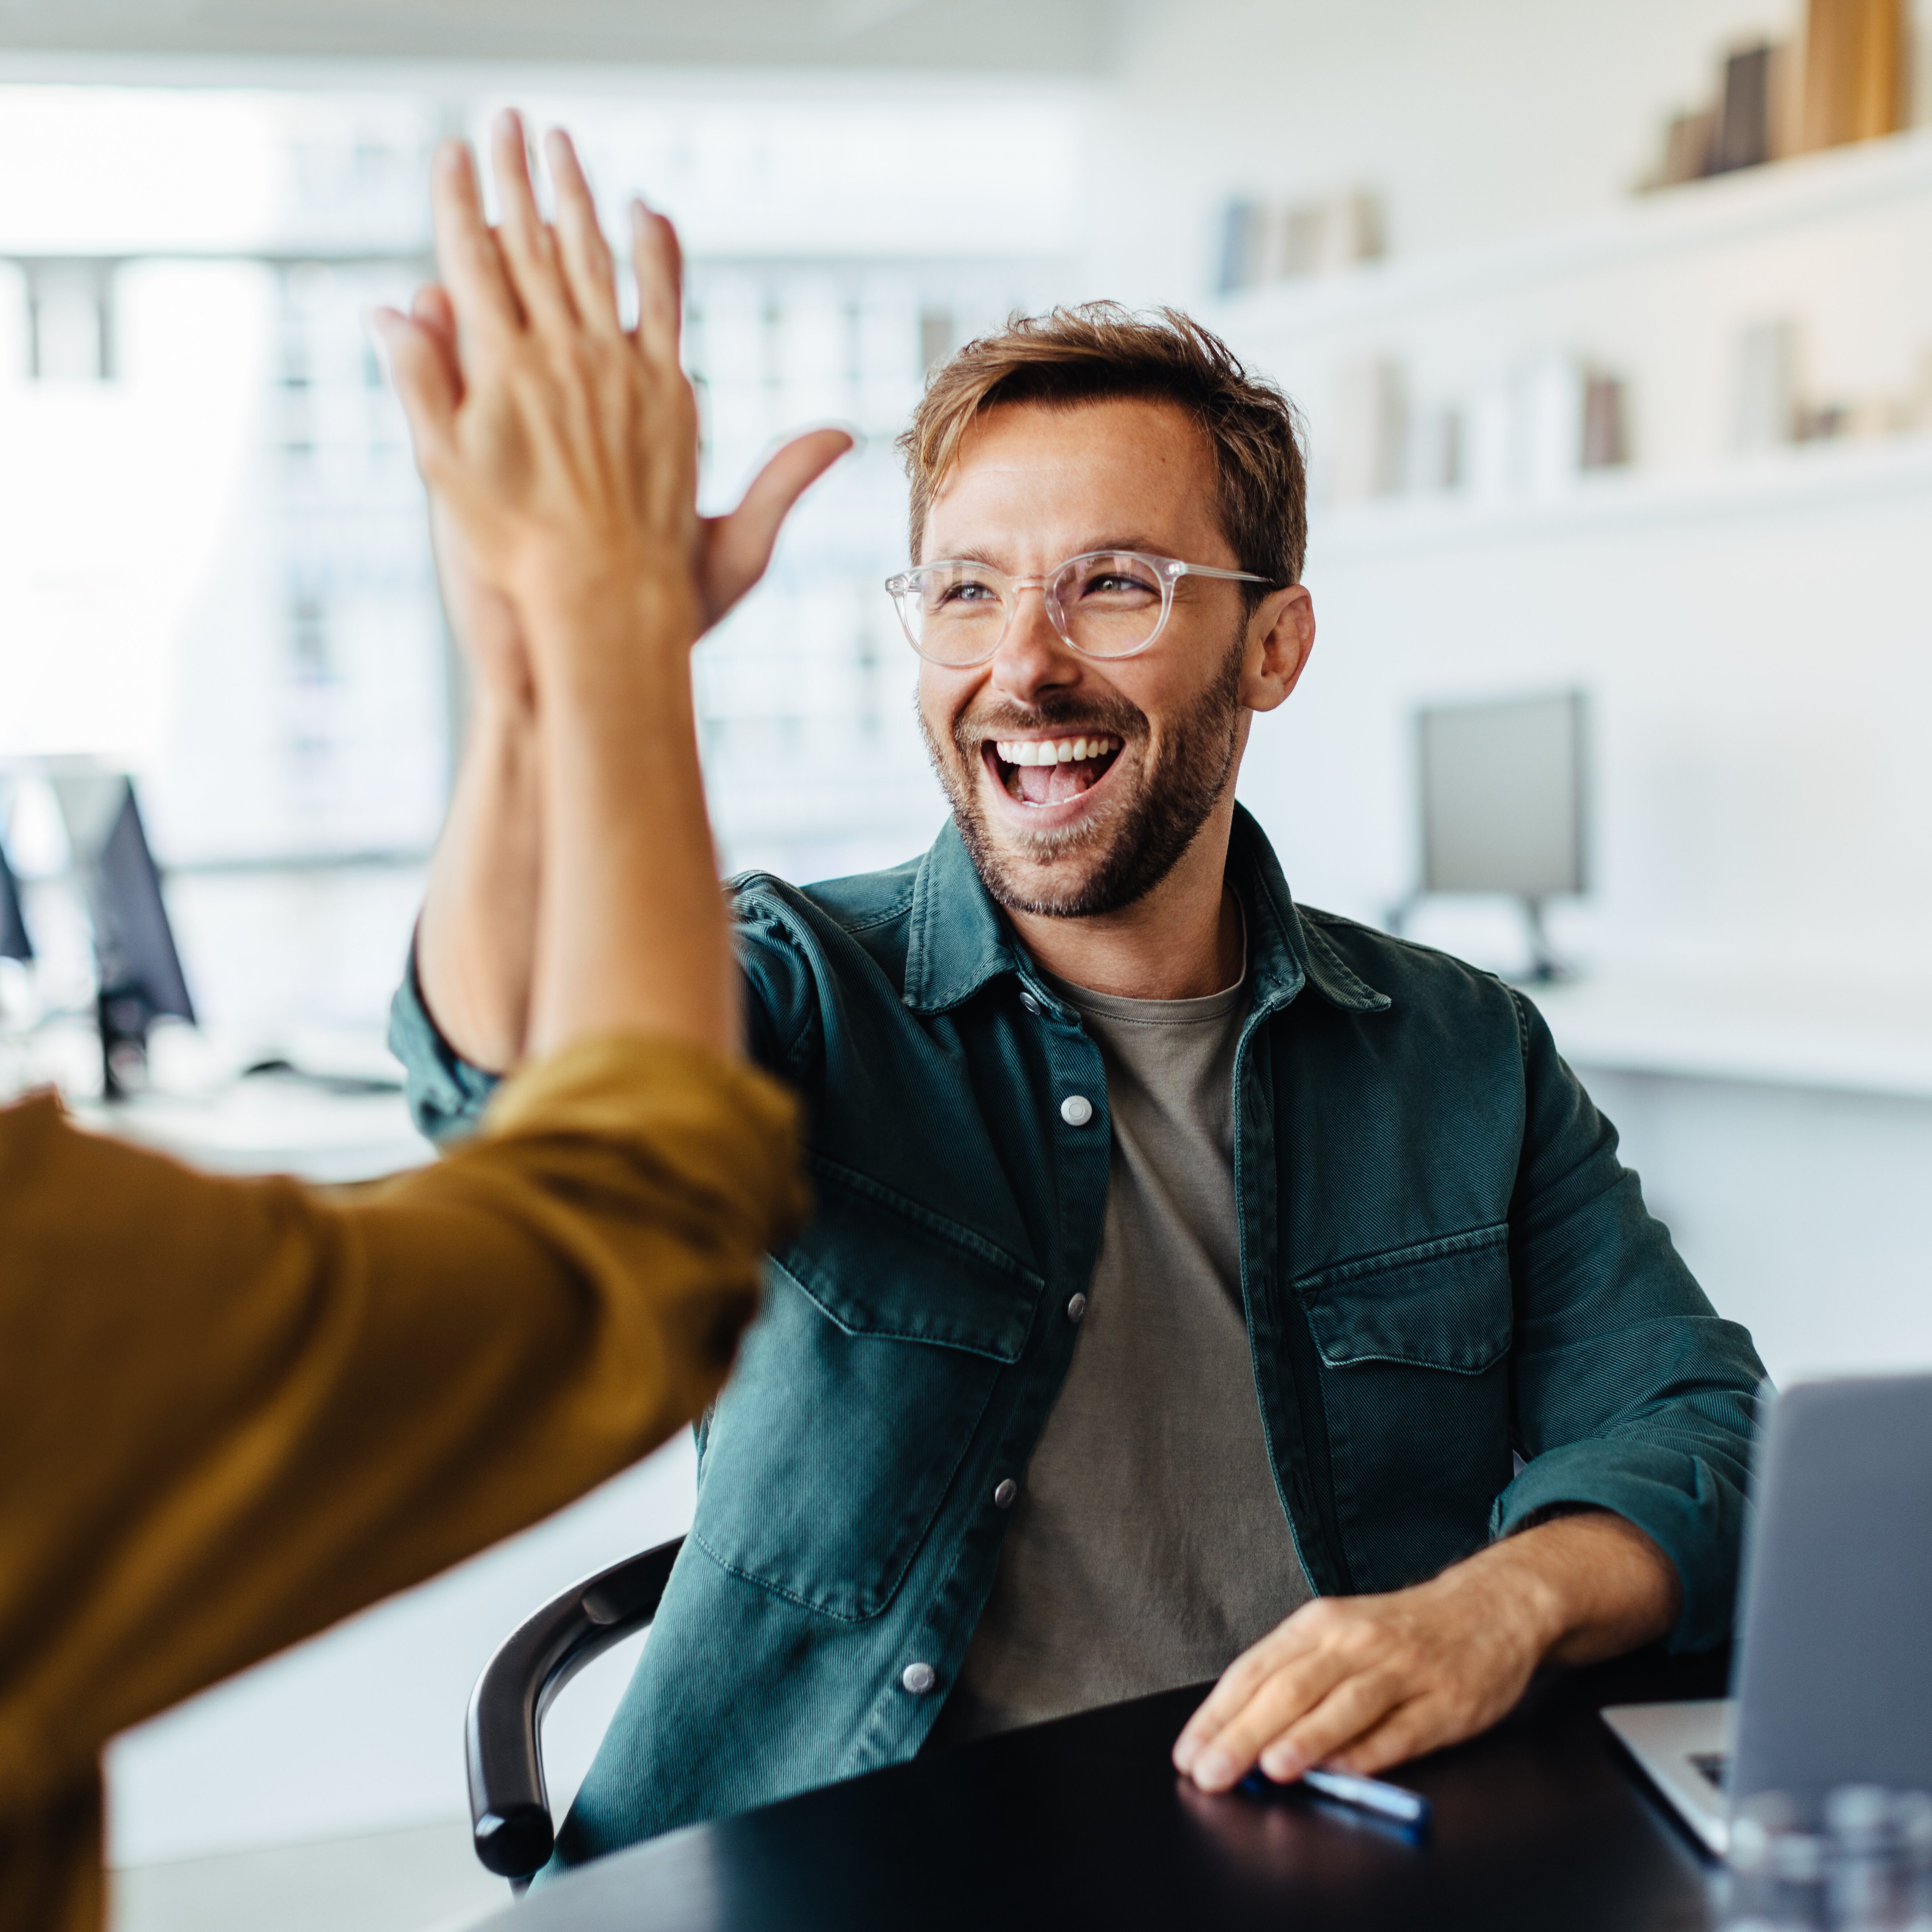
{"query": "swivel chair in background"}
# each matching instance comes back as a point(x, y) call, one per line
point(511, 1824)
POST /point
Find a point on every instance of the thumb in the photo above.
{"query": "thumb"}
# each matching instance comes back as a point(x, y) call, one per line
point(738, 547)
point(426, 384)
point(432, 309)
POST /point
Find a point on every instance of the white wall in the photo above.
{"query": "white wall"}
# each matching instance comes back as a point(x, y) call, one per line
point(1473, 118)
point(1801, 1213)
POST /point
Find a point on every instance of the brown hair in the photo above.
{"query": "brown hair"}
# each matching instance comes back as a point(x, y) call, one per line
point(1100, 351)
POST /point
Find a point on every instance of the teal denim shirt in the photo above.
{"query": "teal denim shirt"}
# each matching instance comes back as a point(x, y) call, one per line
point(1443, 1266)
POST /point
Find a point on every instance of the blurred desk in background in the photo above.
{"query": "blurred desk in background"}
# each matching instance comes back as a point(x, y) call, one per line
point(270, 1124)
point(1783, 1133)
point(1847, 1039)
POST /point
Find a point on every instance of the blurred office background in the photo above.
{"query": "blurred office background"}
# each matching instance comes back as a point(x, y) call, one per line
point(1613, 331)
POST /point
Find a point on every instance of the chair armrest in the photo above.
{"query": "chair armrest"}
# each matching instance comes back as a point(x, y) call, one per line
point(509, 1807)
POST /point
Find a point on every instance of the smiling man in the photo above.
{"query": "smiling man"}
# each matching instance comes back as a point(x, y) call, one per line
point(1200, 1286)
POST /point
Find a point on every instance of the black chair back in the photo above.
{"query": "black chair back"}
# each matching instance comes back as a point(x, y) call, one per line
point(509, 1806)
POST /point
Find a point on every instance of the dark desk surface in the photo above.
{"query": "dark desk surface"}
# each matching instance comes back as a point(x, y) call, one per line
point(1541, 1823)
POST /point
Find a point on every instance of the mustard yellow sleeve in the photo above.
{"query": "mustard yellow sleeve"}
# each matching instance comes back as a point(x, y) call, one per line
point(233, 1410)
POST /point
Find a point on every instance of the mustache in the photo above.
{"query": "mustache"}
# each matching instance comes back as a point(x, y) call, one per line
point(1057, 711)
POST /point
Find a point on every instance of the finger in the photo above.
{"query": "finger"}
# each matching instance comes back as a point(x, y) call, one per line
point(588, 267)
point(528, 246)
point(738, 547)
point(659, 266)
point(1406, 1732)
point(468, 262)
point(1283, 1698)
point(431, 307)
point(431, 311)
point(421, 374)
point(1239, 1683)
point(1352, 1709)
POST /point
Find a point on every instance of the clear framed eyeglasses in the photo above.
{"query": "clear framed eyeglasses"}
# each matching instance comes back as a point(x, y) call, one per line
point(1106, 604)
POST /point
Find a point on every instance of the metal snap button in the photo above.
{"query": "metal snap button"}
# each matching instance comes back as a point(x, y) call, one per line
point(1076, 1307)
point(1076, 1110)
point(919, 1679)
point(1031, 1004)
point(1002, 1496)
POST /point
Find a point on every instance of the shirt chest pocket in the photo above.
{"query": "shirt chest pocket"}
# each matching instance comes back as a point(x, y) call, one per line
point(1442, 1304)
point(855, 1398)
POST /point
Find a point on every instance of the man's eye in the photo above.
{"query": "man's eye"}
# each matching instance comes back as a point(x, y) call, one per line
point(1114, 584)
point(967, 593)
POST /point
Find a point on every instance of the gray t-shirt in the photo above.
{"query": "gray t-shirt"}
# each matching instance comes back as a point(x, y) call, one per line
point(1147, 1547)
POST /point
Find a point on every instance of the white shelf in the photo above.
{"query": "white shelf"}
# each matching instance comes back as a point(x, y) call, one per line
point(1696, 216)
point(1827, 1037)
point(1804, 477)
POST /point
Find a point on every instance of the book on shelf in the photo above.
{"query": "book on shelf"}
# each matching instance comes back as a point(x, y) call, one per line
point(1854, 70)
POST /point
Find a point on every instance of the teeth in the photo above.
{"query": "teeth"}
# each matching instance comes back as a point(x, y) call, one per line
point(1055, 751)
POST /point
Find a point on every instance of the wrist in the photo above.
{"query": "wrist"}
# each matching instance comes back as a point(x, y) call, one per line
point(1526, 1595)
point(604, 639)
point(650, 595)
point(500, 715)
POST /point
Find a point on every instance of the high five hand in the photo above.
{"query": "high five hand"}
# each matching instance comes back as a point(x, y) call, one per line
point(570, 279)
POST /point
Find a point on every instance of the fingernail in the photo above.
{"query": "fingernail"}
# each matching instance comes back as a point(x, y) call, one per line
point(1186, 1749)
point(1283, 1764)
point(1213, 1769)
point(505, 125)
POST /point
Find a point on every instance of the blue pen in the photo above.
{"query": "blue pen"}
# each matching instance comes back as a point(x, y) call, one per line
point(1368, 1794)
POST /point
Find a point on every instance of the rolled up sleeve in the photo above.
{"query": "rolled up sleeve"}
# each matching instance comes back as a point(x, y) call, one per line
point(447, 1096)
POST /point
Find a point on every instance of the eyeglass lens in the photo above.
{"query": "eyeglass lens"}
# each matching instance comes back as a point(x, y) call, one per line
point(1108, 605)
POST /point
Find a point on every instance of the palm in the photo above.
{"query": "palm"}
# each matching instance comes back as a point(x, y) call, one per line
point(733, 549)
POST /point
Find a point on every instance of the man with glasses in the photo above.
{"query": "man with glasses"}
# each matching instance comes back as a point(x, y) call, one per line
point(1200, 1286)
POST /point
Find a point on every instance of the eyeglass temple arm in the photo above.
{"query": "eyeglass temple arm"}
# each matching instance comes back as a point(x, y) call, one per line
point(1228, 576)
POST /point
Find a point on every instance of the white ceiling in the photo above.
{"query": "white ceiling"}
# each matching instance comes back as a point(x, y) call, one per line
point(1033, 36)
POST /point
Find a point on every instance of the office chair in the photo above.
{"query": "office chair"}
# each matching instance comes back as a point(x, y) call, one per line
point(509, 1806)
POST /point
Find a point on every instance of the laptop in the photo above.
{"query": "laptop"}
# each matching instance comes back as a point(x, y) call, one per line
point(1832, 1680)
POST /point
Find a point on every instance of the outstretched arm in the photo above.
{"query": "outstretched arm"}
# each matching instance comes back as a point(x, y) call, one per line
point(249, 1409)
point(476, 938)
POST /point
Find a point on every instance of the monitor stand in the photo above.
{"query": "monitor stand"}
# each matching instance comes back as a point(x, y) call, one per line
point(1544, 966)
point(123, 1017)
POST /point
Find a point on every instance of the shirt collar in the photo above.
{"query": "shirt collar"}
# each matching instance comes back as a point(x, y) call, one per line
point(959, 940)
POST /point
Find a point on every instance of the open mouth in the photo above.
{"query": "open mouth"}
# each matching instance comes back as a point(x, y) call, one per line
point(1050, 771)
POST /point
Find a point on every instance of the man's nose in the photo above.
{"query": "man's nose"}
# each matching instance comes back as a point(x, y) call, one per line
point(1033, 656)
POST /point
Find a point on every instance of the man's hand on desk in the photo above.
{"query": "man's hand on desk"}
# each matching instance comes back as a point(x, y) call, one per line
point(1358, 1684)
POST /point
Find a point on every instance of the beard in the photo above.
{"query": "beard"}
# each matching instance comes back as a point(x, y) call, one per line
point(1119, 853)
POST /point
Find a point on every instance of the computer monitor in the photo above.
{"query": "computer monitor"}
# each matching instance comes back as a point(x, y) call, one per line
point(1502, 792)
point(14, 943)
point(138, 968)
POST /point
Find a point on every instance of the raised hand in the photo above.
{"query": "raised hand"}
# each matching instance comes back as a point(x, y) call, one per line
point(561, 446)
point(729, 554)
point(528, 315)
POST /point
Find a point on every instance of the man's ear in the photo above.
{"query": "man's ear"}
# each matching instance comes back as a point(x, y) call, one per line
point(1281, 635)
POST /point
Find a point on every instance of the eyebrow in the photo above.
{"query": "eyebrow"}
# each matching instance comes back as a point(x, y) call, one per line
point(980, 554)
